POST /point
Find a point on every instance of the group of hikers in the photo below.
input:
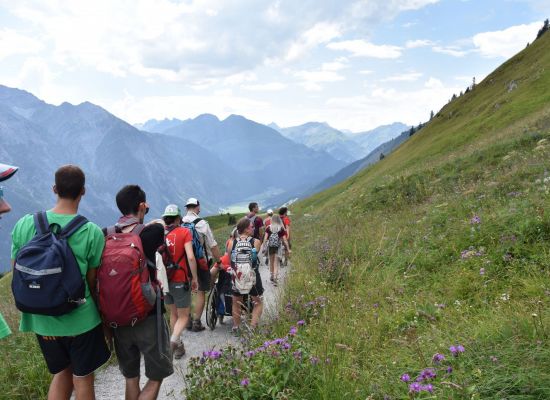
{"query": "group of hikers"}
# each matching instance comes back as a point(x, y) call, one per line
point(84, 290)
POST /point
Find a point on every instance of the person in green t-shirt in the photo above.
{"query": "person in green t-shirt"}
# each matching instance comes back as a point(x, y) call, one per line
point(73, 344)
point(6, 172)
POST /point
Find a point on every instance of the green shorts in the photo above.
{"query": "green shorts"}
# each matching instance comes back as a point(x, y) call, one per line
point(179, 294)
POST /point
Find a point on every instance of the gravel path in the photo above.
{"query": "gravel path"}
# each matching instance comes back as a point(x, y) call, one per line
point(110, 383)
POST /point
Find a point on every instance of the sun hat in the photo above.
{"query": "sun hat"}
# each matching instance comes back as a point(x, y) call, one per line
point(172, 210)
point(7, 171)
point(191, 201)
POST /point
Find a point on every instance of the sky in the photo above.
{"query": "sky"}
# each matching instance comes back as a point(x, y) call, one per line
point(355, 64)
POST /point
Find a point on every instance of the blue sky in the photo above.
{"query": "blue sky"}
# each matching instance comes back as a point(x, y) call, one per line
point(355, 64)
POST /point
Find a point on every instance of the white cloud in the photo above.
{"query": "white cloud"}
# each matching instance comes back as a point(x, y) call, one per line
point(507, 42)
point(454, 51)
point(13, 43)
point(320, 33)
point(362, 48)
point(413, 44)
point(266, 87)
point(366, 72)
point(406, 77)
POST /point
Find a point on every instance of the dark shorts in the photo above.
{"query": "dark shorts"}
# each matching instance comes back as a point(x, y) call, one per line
point(179, 293)
point(272, 250)
point(204, 279)
point(84, 353)
point(257, 289)
point(132, 341)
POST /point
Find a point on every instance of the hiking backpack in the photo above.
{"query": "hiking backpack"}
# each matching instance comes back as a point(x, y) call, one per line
point(244, 276)
point(274, 241)
point(46, 277)
point(198, 248)
point(126, 292)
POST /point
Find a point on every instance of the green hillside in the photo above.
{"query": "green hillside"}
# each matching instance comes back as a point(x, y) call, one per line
point(446, 242)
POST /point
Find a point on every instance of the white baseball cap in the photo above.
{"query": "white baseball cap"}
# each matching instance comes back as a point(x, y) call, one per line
point(191, 201)
point(7, 171)
point(270, 211)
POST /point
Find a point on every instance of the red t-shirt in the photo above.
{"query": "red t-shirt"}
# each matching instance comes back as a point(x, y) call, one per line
point(286, 221)
point(258, 223)
point(267, 221)
point(176, 240)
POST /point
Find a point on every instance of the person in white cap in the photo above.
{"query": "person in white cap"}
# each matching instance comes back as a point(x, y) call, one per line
point(212, 252)
point(182, 277)
point(6, 171)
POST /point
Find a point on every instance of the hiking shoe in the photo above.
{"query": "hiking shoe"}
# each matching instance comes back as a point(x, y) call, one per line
point(220, 320)
point(179, 352)
point(198, 326)
point(189, 325)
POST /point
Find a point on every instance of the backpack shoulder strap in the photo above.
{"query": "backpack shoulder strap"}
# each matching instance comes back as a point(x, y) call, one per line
point(41, 223)
point(197, 220)
point(75, 224)
point(138, 229)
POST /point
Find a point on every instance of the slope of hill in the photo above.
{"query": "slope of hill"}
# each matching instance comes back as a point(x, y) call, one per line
point(426, 275)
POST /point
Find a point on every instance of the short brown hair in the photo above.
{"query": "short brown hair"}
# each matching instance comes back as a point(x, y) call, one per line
point(69, 181)
point(243, 224)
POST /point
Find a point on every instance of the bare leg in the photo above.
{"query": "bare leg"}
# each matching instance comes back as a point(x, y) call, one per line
point(275, 266)
point(150, 390)
point(199, 304)
point(256, 311)
point(236, 310)
point(84, 387)
point(272, 259)
point(173, 316)
point(61, 386)
point(180, 321)
point(132, 388)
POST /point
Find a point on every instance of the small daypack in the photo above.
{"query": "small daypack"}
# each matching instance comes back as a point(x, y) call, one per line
point(274, 241)
point(198, 249)
point(47, 278)
point(244, 276)
point(126, 292)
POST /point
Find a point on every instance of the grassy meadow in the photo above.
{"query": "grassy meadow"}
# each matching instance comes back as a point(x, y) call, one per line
point(426, 275)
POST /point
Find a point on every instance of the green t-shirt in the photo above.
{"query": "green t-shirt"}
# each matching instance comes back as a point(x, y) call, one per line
point(4, 328)
point(87, 245)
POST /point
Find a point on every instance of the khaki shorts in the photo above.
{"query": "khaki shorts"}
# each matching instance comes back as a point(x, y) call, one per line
point(179, 294)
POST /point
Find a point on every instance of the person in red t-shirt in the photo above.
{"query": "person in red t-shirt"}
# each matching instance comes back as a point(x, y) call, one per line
point(267, 220)
point(256, 220)
point(283, 213)
point(179, 243)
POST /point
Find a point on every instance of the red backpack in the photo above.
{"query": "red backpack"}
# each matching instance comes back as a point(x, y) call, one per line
point(126, 291)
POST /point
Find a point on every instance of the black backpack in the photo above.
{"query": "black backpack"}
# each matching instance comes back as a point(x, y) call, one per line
point(46, 277)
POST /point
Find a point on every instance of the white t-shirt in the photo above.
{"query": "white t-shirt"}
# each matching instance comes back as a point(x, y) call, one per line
point(206, 235)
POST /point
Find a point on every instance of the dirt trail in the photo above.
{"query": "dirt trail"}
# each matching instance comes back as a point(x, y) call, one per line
point(110, 383)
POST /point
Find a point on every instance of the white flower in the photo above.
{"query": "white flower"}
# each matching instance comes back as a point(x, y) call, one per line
point(505, 297)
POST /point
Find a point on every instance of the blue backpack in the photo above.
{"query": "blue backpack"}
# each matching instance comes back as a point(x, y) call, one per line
point(46, 277)
point(198, 250)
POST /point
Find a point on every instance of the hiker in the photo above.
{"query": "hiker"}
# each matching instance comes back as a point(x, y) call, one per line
point(283, 213)
point(243, 250)
point(72, 343)
point(275, 237)
point(6, 171)
point(182, 275)
point(268, 218)
point(256, 220)
point(211, 255)
point(147, 332)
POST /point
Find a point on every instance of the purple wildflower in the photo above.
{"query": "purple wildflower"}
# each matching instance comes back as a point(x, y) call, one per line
point(475, 220)
point(405, 378)
point(428, 388)
point(482, 271)
point(245, 382)
point(454, 351)
point(449, 370)
point(297, 354)
point(286, 346)
point(293, 331)
point(460, 348)
point(301, 322)
point(314, 360)
point(437, 358)
point(415, 387)
point(250, 353)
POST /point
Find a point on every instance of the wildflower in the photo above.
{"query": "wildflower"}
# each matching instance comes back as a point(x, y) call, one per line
point(428, 388)
point(405, 378)
point(441, 306)
point(482, 271)
point(375, 305)
point(453, 351)
point(293, 331)
point(505, 297)
point(449, 370)
point(426, 374)
point(301, 322)
point(475, 220)
point(286, 346)
point(493, 359)
point(297, 354)
point(415, 387)
point(437, 358)
point(314, 360)
point(327, 360)
point(250, 353)
point(460, 348)
point(245, 382)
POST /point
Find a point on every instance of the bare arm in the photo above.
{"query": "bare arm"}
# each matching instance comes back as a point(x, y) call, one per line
point(216, 253)
point(192, 264)
point(91, 276)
